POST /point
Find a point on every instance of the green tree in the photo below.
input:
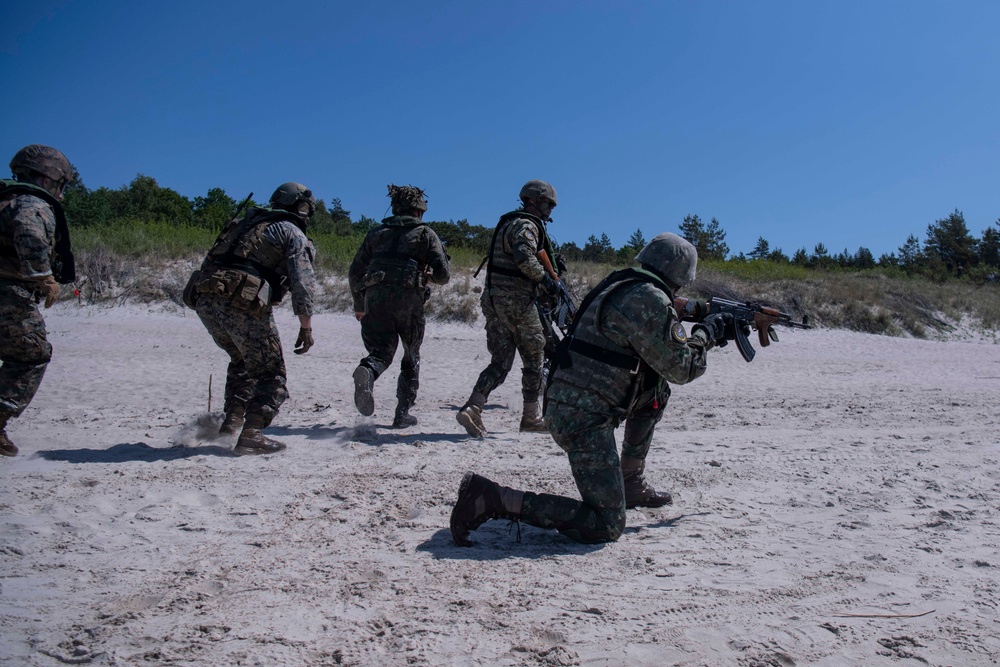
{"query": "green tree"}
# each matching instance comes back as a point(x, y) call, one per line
point(144, 199)
point(637, 241)
point(599, 250)
point(761, 250)
point(710, 239)
point(989, 247)
point(949, 241)
point(214, 209)
point(801, 257)
point(910, 255)
point(864, 259)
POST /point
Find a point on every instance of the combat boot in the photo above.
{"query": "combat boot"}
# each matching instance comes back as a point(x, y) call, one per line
point(531, 420)
point(479, 500)
point(403, 417)
point(471, 415)
point(233, 421)
point(637, 492)
point(252, 441)
point(364, 384)
point(7, 448)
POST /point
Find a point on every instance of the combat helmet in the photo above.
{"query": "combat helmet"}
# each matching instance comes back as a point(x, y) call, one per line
point(289, 195)
point(44, 160)
point(406, 197)
point(672, 257)
point(538, 190)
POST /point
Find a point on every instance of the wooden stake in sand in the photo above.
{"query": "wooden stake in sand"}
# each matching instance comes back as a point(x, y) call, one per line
point(209, 393)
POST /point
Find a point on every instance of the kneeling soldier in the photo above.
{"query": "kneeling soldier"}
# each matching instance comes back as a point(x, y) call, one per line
point(625, 345)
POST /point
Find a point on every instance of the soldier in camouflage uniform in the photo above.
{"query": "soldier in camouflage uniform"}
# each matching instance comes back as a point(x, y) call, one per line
point(251, 266)
point(388, 279)
point(34, 258)
point(514, 279)
point(625, 345)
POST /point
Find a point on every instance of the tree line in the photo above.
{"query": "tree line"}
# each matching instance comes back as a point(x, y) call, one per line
point(948, 249)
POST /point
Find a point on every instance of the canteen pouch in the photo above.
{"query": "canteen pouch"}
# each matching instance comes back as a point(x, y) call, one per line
point(248, 292)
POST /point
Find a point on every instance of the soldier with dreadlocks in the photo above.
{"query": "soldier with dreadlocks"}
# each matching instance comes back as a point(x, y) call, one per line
point(388, 280)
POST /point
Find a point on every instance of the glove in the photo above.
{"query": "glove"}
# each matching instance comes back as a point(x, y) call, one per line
point(715, 327)
point(304, 341)
point(49, 290)
point(549, 286)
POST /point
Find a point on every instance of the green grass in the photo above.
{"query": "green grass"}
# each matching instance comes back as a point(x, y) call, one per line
point(149, 261)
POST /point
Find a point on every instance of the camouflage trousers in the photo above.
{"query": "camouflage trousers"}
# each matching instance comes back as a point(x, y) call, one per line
point(589, 441)
point(24, 349)
point(393, 315)
point(256, 375)
point(512, 325)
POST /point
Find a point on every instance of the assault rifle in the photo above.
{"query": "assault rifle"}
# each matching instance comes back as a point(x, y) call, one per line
point(745, 316)
point(556, 311)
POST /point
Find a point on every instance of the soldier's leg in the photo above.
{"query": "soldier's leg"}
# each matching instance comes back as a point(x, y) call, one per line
point(218, 319)
point(639, 429)
point(24, 352)
point(265, 366)
point(501, 345)
point(411, 332)
point(379, 334)
point(530, 340)
point(589, 442)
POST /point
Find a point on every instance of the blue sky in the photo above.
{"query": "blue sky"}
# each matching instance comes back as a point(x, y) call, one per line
point(850, 123)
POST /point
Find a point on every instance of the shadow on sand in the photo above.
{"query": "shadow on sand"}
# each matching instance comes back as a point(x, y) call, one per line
point(132, 451)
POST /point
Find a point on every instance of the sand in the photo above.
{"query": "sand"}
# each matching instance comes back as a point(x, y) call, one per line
point(836, 503)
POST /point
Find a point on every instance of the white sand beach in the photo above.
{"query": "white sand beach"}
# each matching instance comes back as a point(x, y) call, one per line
point(836, 503)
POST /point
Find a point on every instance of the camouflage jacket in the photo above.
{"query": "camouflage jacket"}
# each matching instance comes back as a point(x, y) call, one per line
point(513, 266)
point(272, 245)
point(404, 252)
point(627, 344)
point(27, 237)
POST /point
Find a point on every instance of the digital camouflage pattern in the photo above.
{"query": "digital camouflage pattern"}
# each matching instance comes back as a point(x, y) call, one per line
point(27, 235)
point(388, 280)
point(278, 249)
point(589, 399)
point(508, 304)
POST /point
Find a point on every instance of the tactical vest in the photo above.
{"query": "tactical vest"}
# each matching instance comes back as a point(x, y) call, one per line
point(61, 258)
point(584, 344)
point(502, 271)
point(394, 262)
point(241, 246)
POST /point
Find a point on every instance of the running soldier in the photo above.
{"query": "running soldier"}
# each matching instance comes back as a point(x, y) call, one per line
point(35, 257)
point(625, 345)
point(388, 280)
point(514, 278)
point(251, 266)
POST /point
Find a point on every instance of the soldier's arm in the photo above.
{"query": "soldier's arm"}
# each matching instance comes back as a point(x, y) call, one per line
point(644, 316)
point(300, 254)
point(359, 267)
point(524, 242)
point(34, 228)
point(437, 260)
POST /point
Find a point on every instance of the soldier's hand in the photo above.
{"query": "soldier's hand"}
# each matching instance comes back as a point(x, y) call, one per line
point(304, 341)
point(358, 314)
point(549, 286)
point(715, 326)
point(49, 289)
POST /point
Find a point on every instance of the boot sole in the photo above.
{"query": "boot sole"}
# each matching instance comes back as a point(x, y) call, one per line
point(256, 451)
point(462, 489)
point(650, 504)
point(470, 425)
point(363, 386)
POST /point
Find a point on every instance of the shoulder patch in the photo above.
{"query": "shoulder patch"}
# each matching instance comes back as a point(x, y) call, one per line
point(678, 333)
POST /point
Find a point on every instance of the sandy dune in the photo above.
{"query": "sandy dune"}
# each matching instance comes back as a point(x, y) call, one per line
point(836, 504)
